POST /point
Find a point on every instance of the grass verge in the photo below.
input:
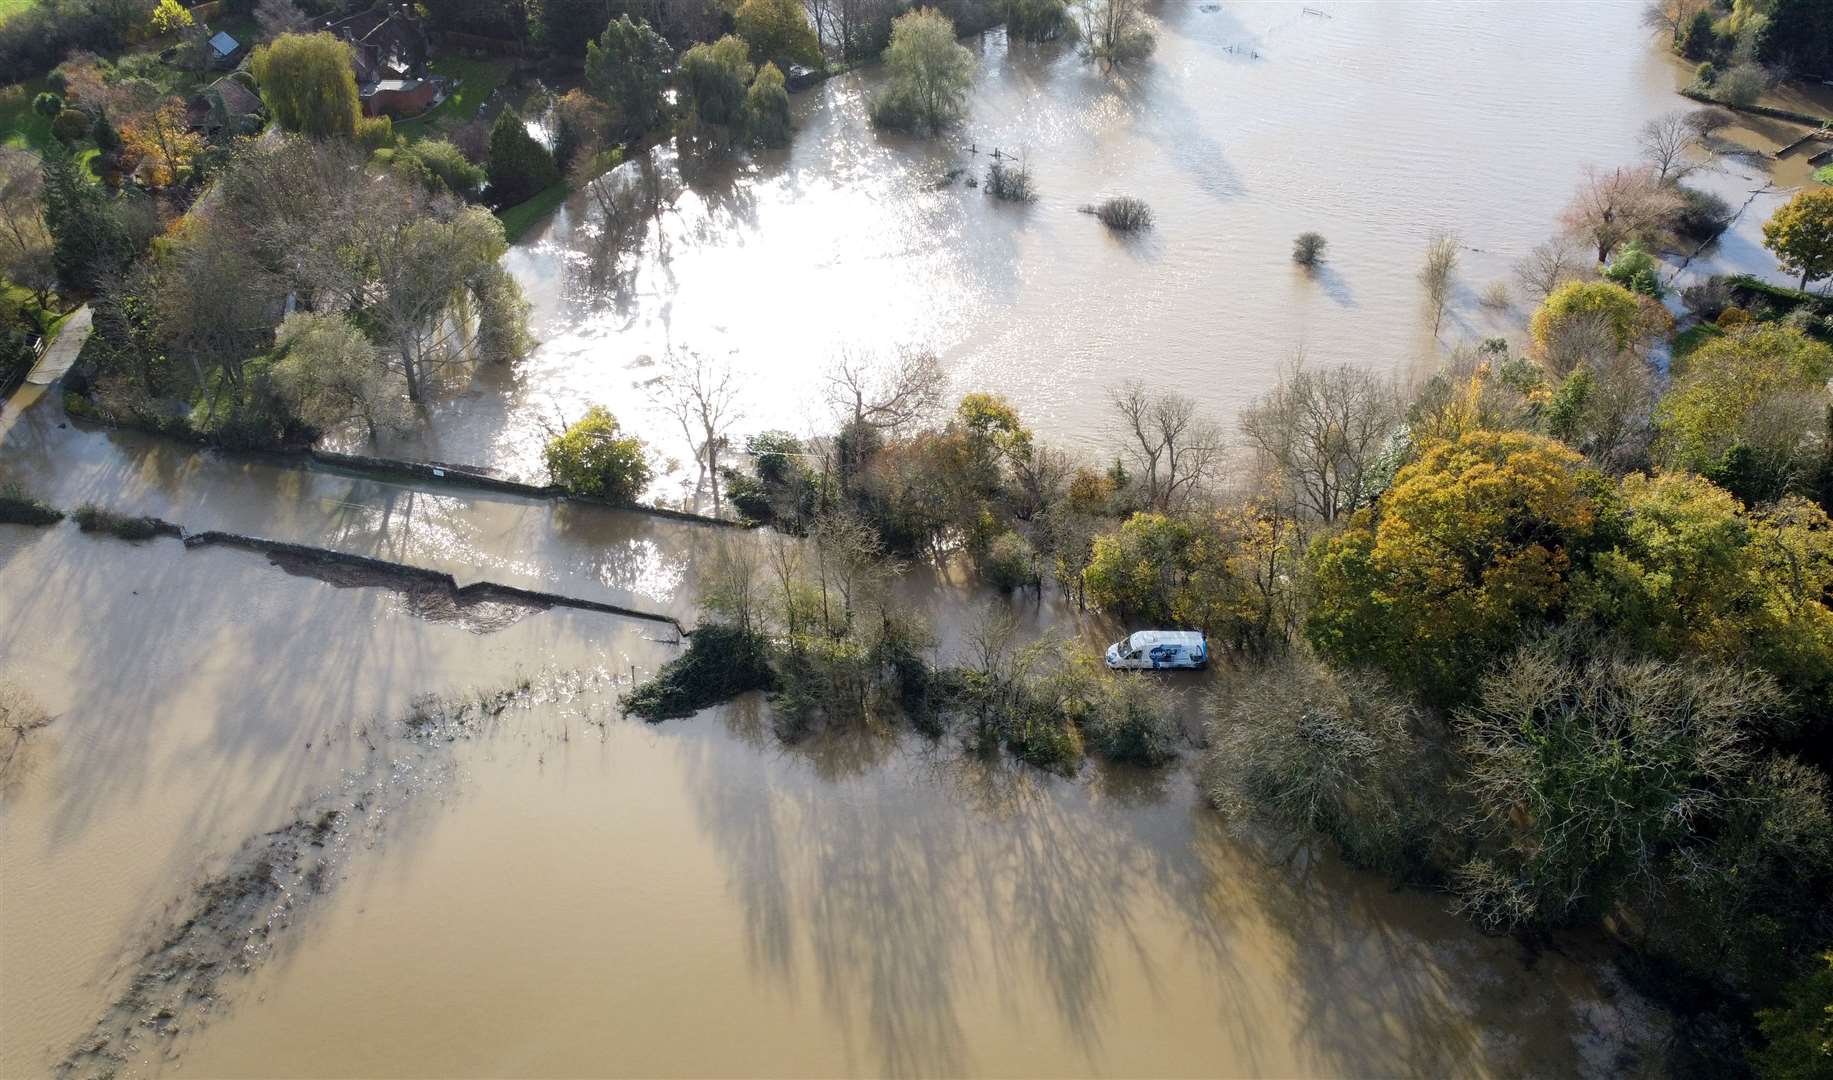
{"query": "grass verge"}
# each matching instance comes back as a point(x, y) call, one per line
point(524, 216)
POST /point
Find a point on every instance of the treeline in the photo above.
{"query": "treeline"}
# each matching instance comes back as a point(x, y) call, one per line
point(1747, 46)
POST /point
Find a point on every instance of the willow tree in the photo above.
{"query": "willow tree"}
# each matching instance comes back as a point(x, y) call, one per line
point(308, 83)
point(930, 73)
point(431, 276)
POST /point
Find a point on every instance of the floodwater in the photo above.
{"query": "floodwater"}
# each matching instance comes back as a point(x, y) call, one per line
point(566, 892)
point(1374, 124)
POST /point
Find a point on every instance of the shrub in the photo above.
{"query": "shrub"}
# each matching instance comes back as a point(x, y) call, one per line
point(929, 74)
point(721, 662)
point(1038, 20)
point(1124, 213)
point(1635, 270)
point(1707, 300)
point(1308, 249)
point(1010, 563)
point(1584, 300)
point(592, 458)
point(1497, 297)
point(92, 518)
point(447, 163)
point(1315, 751)
point(1742, 85)
point(1702, 215)
point(48, 104)
point(767, 107)
point(71, 126)
point(1733, 317)
point(1132, 721)
point(19, 507)
point(518, 165)
point(374, 132)
point(1798, 1033)
point(1011, 181)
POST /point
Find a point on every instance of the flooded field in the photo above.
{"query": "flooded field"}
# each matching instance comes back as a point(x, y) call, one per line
point(1251, 123)
point(558, 891)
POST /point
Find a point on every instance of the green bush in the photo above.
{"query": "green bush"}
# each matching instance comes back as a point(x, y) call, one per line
point(592, 458)
point(1133, 721)
point(1635, 270)
point(1798, 1034)
point(375, 132)
point(20, 507)
point(71, 126)
point(721, 662)
point(1010, 563)
point(518, 165)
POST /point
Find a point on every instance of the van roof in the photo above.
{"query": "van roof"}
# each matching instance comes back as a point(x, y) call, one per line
point(1145, 639)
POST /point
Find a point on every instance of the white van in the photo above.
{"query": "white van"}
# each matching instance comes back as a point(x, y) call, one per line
point(1158, 649)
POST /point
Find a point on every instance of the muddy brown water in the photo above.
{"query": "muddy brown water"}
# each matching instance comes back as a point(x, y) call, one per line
point(1375, 124)
point(564, 892)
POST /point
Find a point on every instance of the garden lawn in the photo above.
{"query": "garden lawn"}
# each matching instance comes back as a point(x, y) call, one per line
point(523, 216)
point(477, 80)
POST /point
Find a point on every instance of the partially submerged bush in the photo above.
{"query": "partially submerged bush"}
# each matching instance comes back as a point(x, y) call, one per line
point(721, 662)
point(92, 518)
point(1010, 563)
point(1308, 249)
point(1010, 180)
point(1124, 213)
point(592, 457)
point(1708, 299)
point(1132, 720)
point(1313, 750)
point(20, 507)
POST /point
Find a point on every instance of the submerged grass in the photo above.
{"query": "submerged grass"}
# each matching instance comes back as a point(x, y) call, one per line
point(20, 507)
point(92, 518)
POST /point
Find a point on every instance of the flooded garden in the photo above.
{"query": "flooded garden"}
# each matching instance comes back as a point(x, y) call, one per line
point(275, 808)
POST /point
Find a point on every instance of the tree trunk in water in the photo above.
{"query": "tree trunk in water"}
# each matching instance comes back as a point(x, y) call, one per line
point(413, 373)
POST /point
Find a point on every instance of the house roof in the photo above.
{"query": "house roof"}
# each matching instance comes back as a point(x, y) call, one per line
point(238, 100)
point(222, 44)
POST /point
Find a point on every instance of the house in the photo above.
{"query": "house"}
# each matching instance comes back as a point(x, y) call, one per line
point(226, 107)
point(388, 53)
point(225, 51)
point(400, 97)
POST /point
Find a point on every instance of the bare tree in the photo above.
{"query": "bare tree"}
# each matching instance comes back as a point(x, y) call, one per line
point(1436, 275)
point(1671, 17)
point(25, 243)
point(886, 397)
point(1323, 433)
point(731, 582)
point(20, 715)
point(1178, 450)
point(701, 393)
point(1114, 32)
point(1548, 266)
point(1618, 205)
point(1577, 340)
point(1709, 120)
point(276, 17)
point(1668, 143)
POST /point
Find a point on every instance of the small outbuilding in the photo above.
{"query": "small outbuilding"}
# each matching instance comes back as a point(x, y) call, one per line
point(225, 51)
